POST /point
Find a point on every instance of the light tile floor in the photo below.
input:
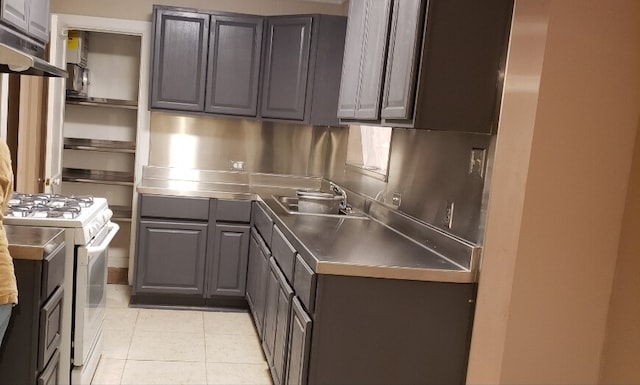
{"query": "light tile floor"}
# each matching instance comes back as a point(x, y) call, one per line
point(149, 346)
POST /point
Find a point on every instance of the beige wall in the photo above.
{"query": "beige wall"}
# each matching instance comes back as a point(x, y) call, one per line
point(553, 228)
point(141, 9)
point(622, 345)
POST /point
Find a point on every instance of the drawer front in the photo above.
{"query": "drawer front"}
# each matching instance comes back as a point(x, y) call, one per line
point(49, 376)
point(52, 272)
point(283, 252)
point(158, 206)
point(233, 211)
point(49, 329)
point(304, 283)
point(262, 222)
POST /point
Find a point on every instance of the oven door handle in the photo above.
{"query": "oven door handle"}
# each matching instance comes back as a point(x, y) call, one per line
point(99, 249)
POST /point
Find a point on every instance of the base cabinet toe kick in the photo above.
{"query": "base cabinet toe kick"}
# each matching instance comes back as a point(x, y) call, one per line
point(313, 328)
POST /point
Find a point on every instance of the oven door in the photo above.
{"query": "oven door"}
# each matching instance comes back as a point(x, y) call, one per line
point(91, 293)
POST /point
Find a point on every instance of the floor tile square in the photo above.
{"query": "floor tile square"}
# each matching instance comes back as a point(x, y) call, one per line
point(156, 373)
point(240, 374)
point(118, 295)
point(239, 323)
point(167, 346)
point(109, 372)
point(120, 318)
point(116, 343)
point(170, 321)
point(229, 348)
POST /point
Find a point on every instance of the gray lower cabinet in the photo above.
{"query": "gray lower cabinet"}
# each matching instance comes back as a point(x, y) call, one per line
point(276, 322)
point(191, 251)
point(333, 329)
point(228, 273)
point(299, 344)
point(171, 257)
point(179, 60)
point(235, 48)
point(257, 278)
point(29, 353)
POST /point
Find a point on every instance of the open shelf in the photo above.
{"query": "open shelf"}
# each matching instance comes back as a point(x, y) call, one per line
point(97, 176)
point(121, 213)
point(99, 145)
point(102, 102)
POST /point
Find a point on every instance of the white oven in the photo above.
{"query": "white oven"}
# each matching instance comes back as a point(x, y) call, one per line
point(90, 299)
point(88, 233)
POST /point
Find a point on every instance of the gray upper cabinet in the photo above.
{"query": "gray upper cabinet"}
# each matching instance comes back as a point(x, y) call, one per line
point(301, 68)
point(228, 275)
point(16, 13)
point(459, 84)
point(171, 257)
point(235, 46)
point(404, 51)
point(352, 59)
point(286, 67)
point(364, 59)
point(179, 60)
point(443, 63)
point(39, 19)
point(277, 68)
point(28, 16)
point(374, 48)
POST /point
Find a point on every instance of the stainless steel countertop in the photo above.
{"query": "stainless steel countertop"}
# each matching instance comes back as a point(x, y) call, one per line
point(335, 246)
point(34, 243)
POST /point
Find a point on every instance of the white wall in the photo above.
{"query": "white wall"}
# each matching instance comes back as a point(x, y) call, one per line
point(554, 224)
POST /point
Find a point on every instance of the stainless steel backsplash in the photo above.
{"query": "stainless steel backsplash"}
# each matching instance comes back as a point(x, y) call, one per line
point(207, 143)
point(429, 170)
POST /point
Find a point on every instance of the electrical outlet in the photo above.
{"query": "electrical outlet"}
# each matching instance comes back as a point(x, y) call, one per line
point(396, 199)
point(447, 220)
point(476, 164)
point(237, 165)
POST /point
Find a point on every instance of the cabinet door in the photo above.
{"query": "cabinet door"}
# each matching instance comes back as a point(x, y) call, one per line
point(256, 280)
point(170, 257)
point(402, 61)
point(352, 59)
point(228, 273)
point(373, 59)
point(15, 12)
point(235, 46)
point(299, 345)
point(179, 60)
point(270, 312)
point(49, 375)
point(280, 347)
point(39, 19)
point(286, 67)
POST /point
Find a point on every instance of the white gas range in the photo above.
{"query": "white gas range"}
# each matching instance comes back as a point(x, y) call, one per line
point(88, 232)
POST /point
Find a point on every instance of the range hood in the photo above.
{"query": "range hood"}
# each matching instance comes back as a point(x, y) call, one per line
point(20, 55)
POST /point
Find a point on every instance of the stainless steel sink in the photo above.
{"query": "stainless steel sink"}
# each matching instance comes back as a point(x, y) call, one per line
point(290, 205)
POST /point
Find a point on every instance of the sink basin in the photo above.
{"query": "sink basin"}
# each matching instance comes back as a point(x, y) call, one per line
point(290, 205)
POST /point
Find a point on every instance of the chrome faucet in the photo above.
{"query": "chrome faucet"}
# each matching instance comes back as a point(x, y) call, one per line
point(340, 192)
